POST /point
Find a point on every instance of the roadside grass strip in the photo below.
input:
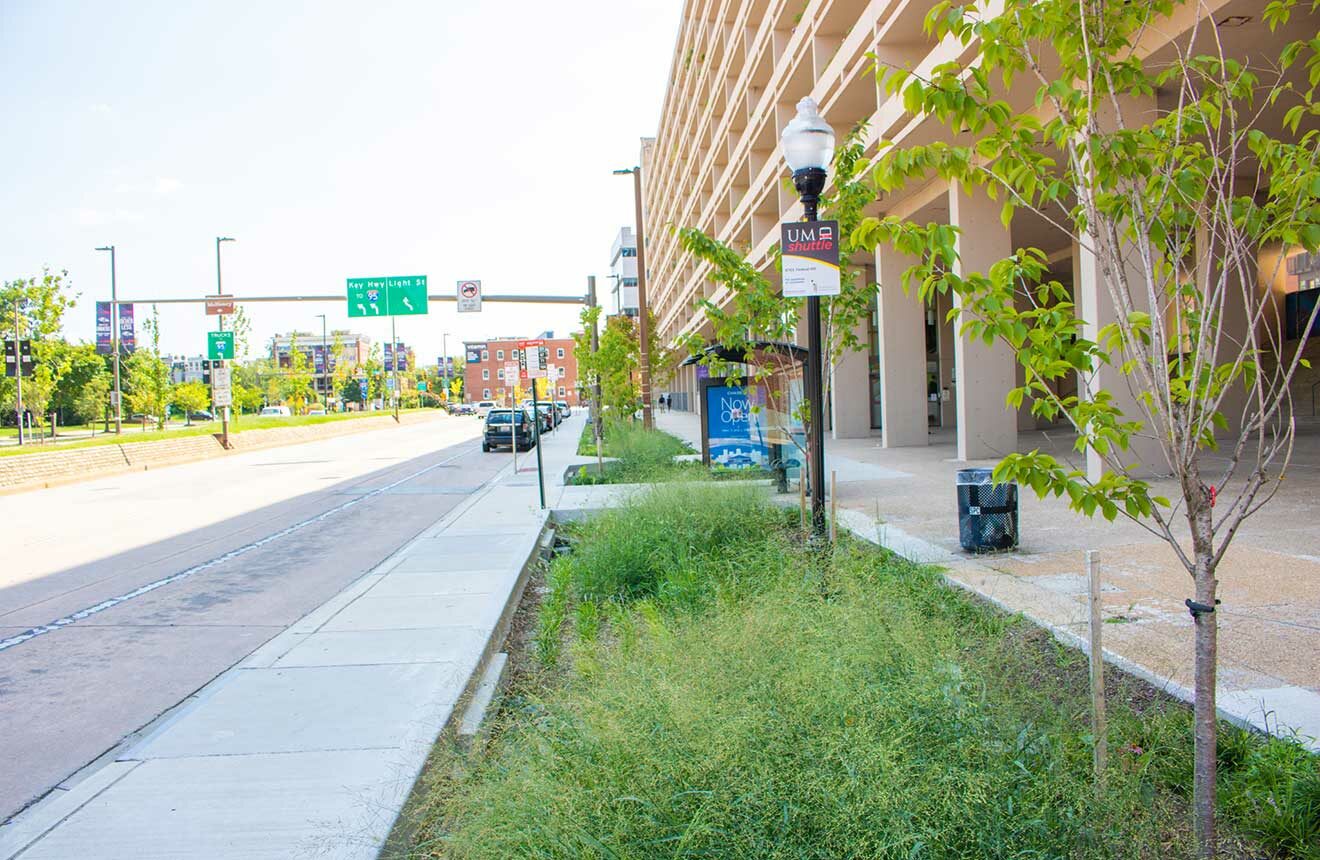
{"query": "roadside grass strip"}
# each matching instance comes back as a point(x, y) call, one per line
point(709, 687)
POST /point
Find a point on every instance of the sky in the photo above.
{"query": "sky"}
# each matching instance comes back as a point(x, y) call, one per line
point(331, 140)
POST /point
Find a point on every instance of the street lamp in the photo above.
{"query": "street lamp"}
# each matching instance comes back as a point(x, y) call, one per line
point(643, 323)
point(444, 364)
point(114, 340)
point(808, 146)
point(325, 366)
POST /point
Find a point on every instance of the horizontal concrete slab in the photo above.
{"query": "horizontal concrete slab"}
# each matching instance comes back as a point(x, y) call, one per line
point(447, 582)
point(457, 646)
point(402, 613)
point(290, 710)
point(251, 807)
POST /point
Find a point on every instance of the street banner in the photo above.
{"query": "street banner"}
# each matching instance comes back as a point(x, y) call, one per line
point(127, 329)
point(401, 356)
point(219, 305)
point(222, 393)
point(531, 359)
point(318, 359)
point(469, 297)
point(810, 251)
point(389, 357)
point(104, 329)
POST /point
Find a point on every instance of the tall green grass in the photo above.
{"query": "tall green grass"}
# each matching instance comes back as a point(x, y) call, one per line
point(726, 693)
point(645, 457)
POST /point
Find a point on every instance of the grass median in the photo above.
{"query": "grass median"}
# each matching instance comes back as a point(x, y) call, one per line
point(644, 456)
point(711, 688)
point(200, 428)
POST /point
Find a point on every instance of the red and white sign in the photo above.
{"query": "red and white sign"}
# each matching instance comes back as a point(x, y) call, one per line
point(219, 306)
point(531, 359)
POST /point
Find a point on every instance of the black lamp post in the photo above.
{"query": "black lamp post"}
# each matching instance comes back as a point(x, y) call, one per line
point(808, 146)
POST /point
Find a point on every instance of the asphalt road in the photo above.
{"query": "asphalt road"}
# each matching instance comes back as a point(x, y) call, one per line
point(120, 597)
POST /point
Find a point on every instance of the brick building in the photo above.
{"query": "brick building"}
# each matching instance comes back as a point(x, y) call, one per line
point(483, 376)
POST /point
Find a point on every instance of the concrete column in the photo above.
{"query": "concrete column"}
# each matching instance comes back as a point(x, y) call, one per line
point(902, 325)
point(987, 427)
point(1096, 306)
point(850, 389)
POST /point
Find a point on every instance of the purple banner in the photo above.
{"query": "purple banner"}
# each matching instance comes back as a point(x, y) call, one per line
point(389, 357)
point(103, 328)
point(318, 359)
point(401, 356)
point(127, 330)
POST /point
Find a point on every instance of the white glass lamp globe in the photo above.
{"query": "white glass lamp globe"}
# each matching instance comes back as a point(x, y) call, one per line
point(808, 140)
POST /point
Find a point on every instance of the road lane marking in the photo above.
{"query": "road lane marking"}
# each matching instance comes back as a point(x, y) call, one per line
point(110, 603)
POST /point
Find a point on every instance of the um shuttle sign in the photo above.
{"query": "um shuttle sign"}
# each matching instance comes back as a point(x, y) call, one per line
point(810, 251)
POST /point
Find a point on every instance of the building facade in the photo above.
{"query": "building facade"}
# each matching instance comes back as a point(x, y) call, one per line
point(739, 68)
point(483, 372)
point(623, 274)
point(323, 354)
point(185, 368)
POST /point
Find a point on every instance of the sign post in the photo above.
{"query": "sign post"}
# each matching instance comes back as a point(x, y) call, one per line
point(400, 296)
point(222, 392)
point(531, 365)
point(511, 376)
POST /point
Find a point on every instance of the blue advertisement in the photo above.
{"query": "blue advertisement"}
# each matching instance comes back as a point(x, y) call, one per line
point(736, 428)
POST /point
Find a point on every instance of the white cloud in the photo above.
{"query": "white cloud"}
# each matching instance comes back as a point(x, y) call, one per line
point(161, 185)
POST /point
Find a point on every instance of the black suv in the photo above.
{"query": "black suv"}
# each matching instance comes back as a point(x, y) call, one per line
point(503, 426)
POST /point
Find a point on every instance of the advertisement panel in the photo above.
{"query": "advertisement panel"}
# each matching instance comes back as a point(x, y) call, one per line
point(473, 351)
point(104, 335)
point(733, 429)
point(127, 329)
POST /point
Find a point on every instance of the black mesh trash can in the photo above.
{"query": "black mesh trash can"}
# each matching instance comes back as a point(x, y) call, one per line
point(987, 512)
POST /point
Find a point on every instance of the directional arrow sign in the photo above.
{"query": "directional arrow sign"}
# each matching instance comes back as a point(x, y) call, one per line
point(219, 345)
point(395, 296)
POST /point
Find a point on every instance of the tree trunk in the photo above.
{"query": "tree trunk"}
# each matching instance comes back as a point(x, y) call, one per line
point(1206, 732)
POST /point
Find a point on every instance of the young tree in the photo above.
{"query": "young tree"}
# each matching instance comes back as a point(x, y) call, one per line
point(1173, 207)
point(81, 368)
point(37, 305)
point(149, 376)
point(295, 385)
point(190, 397)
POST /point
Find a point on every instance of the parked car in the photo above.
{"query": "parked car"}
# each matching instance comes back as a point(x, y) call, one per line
point(549, 416)
point(504, 427)
point(565, 411)
point(200, 415)
point(484, 407)
point(316, 410)
point(282, 411)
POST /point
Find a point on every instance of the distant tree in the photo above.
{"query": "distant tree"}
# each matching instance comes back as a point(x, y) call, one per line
point(40, 302)
point(149, 375)
point(190, 397)
point(247, 398)
point(295, 385)
point(81, 367)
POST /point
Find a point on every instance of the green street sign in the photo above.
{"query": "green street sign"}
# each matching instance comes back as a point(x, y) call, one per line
point(397, 297)
point(421, 385)
point(219, 345)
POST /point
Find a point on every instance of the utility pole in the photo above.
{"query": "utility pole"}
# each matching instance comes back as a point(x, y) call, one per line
point(220, 291)
point(394, 366)
point(18, 372)
point(643, 317)
point(444, 371)
point(597, 420)
point(114, 342)
point(325, 366)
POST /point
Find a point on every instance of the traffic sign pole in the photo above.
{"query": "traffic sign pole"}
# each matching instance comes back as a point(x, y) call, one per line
point(394, 340)
point(18, 374)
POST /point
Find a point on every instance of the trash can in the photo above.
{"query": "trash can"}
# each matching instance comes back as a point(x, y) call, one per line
point(987, 512)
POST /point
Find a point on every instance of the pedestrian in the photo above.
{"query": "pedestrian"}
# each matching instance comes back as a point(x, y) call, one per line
point(662, 403)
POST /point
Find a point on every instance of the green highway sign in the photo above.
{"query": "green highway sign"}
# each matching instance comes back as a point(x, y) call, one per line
point(219, 345)
point(376, 297)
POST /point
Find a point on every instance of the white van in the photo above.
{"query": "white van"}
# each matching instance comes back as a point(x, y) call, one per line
point(484, 406)
point(282, 411)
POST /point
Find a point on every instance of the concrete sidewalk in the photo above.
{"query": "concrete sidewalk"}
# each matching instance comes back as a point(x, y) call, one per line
point(310, 746)
point(1269, 622)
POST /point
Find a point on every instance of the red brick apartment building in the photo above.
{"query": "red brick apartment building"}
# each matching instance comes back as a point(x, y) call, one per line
point(483, 377)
